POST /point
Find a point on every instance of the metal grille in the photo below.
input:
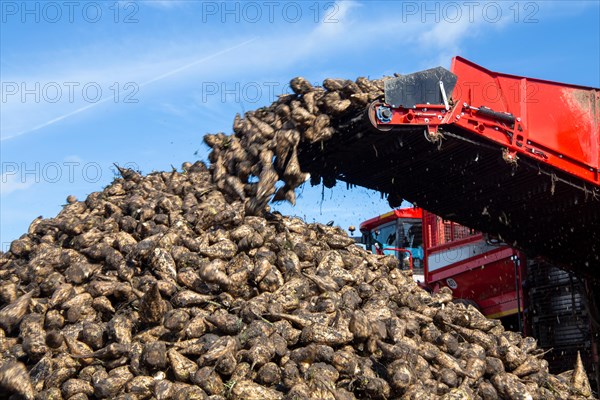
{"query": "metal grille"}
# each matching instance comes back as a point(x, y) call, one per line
point(461, 232)
point(440, 231)
point(556, 301)
point(559, 318)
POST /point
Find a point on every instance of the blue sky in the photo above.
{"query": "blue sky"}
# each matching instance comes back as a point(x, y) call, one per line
point(138, 83)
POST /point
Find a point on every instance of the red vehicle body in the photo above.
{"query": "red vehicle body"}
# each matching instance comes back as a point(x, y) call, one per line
point(514, 157)
point(493, 277)
point(460, 258)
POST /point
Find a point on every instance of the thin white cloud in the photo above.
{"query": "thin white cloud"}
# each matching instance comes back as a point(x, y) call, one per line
point(73, 159)
point(12, 182)
point(154, 79)
point(172, 109)
point(337, 18)
point(197, 62)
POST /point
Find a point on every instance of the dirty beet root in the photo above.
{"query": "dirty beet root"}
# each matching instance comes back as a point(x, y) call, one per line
point(182, 285)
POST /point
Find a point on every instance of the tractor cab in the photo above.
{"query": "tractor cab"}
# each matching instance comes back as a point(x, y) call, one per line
point(398, 233)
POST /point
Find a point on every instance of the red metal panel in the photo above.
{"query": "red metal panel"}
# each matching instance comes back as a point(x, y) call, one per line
point(500, 306)
point(460, 267)
point(560, 123)
point(490, 285)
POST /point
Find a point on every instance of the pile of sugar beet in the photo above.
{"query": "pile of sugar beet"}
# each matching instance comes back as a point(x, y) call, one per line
point(185, 285)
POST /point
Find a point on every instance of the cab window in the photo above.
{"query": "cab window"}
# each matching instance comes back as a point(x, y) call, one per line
point(411, 233)
point(386, 235)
